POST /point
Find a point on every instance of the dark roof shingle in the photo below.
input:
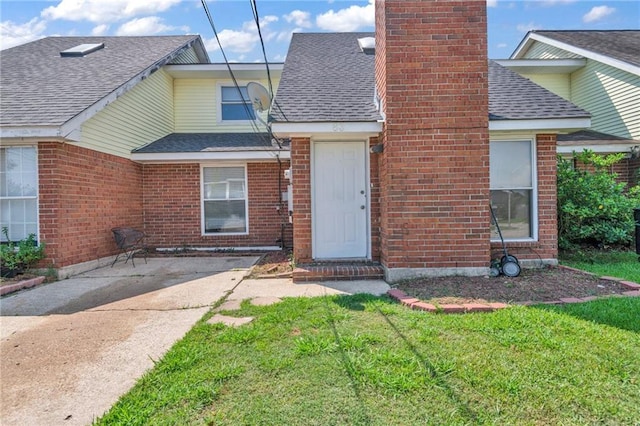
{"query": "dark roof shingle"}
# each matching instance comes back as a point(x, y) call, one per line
point(623, 45)
point(201, 142)
point(38, 87)
point(326, 78)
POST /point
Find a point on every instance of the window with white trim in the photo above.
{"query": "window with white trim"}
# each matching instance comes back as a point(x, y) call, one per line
point(224, 200)
point(18, 192)
point(235, 105)
point(512, 165)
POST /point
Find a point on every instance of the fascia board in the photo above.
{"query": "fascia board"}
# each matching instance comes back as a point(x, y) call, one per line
point(172, 157)
point(563, 124)
point(335, 129)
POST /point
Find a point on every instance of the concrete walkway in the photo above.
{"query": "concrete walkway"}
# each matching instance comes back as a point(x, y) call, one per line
point(70, 349)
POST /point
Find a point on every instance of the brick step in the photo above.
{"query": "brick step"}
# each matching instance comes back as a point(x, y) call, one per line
point(338, 272)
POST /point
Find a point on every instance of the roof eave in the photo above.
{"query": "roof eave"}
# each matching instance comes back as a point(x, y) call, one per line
point(541, 124)
point(532, 37)
point(39, 132)
point(204, 156)
point(328, 129)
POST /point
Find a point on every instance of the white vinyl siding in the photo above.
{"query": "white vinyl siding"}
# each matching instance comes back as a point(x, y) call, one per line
point(544, 51)
point(142, 115)
point(560, 84)
point(187, 57)
point(611, 96)
point(196, 107)
point(19, 192)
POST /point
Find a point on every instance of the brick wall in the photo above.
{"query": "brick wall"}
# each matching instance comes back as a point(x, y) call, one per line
point(301, 173)
point(546, 248)
point(83, 194)
point(172, 207)
point(431, 69)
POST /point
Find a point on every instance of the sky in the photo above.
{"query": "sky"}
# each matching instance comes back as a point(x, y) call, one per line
point(509, 21)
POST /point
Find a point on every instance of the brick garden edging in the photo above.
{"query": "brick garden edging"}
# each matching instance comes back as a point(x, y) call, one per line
point(417, 304)
point(10, 288)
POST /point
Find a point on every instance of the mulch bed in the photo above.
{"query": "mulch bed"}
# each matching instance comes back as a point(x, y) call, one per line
point(533, 285)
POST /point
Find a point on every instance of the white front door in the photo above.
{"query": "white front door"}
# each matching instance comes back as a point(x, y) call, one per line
point(339, 200)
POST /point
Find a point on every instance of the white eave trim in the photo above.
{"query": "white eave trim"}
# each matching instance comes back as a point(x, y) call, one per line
point(599, 148)
point(39, 132)
point(198, 157)
point(542, 66)
point(334, 129)
point(557, 124)
point(524, 46)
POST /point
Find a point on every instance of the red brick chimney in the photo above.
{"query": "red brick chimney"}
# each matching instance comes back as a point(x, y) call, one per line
point(432, 79)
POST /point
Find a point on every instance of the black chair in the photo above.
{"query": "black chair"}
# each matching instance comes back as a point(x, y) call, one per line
point(130, 241)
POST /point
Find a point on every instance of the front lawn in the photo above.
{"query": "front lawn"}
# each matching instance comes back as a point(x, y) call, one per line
point(364, 360)
point(620, 264)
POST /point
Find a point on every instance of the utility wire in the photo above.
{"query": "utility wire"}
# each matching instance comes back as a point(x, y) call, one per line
point(233, 77)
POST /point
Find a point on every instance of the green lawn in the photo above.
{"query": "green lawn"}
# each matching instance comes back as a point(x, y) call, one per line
point(620, 264)
point(363, 360)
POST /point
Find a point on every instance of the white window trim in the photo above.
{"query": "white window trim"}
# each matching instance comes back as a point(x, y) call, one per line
point(534, 189)
point(37, 196)
point(202, 200)
point(219, 86)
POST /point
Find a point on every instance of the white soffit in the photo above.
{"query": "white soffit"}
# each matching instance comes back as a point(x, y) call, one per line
point(543, 66)
point(552, 124)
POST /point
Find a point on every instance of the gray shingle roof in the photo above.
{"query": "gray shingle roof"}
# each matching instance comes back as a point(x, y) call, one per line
point(513, 97)
point(591, 136)
point(39, 87)
point(623, 45)
point(326, 77)
point(202, 142)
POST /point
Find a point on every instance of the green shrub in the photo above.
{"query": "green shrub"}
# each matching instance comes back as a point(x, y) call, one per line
point(592, 207)
point(21, 255)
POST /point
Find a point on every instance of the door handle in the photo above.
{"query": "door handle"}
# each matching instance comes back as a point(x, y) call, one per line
point(361, 207)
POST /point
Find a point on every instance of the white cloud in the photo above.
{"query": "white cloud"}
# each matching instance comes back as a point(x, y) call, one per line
point(12, 34)
point(524, 28)
point(149, 25)
point(299, 18)
point(352, 18)
point(233, 41)
point(597, 13)
point(492, 3)
point(502, 45)
point(100, 30)
point(105, 11)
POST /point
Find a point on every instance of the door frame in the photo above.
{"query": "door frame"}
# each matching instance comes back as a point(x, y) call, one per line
point(367, 179)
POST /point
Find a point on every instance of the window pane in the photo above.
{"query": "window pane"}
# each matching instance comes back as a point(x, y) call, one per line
point(237, 112)
point(224, 199)
point(225, 216)
point(18, 180)
point(236, 189)
point(511, 165)
point(513, 211)
point(230, 94)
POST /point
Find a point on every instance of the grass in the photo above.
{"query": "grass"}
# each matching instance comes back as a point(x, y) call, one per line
point(364, 360)
point(620, 264)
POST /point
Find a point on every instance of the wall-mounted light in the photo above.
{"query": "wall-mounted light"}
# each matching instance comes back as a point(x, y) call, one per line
point(377, 149)
point(635, 151)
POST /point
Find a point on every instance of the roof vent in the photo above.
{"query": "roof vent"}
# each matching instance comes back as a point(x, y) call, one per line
point(367, 45)
point(82, 49)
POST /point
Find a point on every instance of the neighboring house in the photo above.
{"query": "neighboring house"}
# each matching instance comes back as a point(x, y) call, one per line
point(399, 146)
point(69, 124)
point(393, 146)
point(600, 72)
